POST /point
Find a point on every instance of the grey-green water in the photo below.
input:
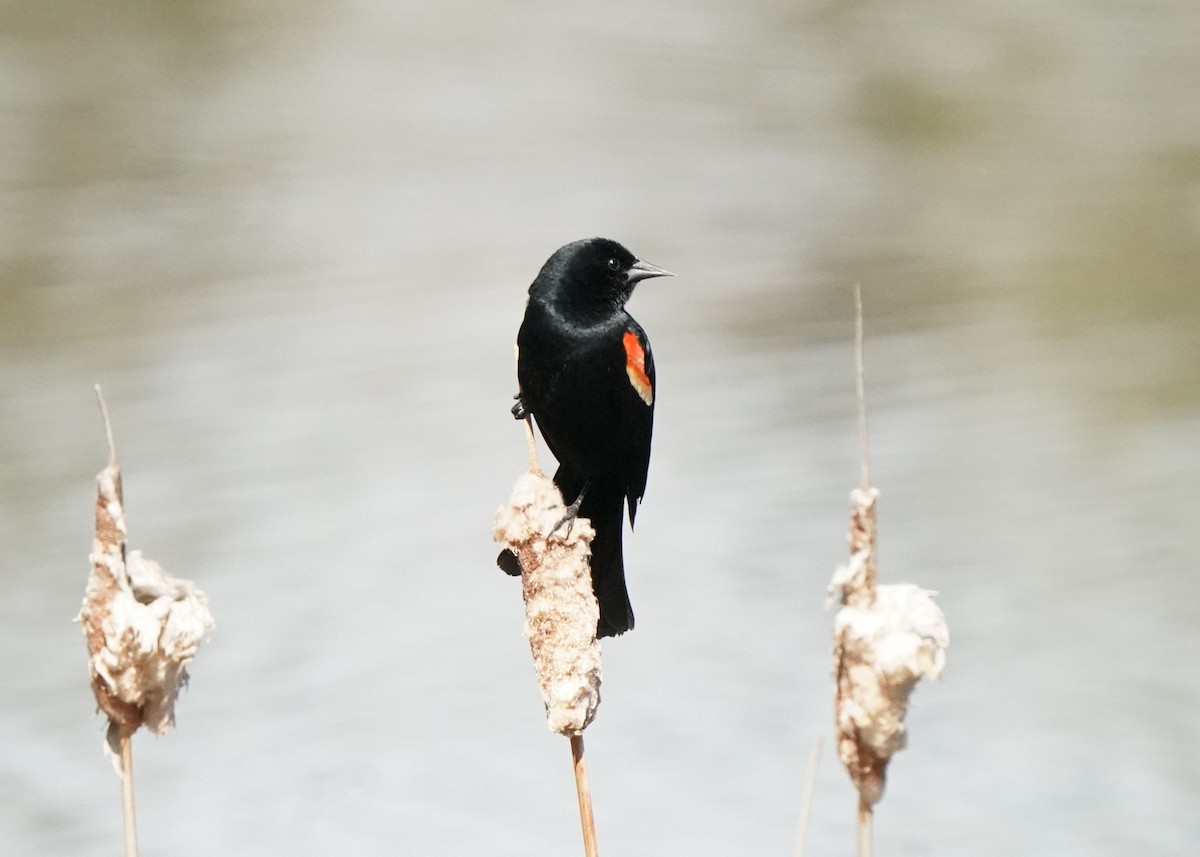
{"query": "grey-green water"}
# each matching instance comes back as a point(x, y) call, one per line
point(292, 242)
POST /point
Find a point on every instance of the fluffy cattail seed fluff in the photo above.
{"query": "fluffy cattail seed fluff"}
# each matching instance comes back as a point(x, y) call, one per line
point(886, 638)
point(560, 610)
point(142, 625)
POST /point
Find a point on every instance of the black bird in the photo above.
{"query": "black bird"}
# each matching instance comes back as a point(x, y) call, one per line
point(586, 375)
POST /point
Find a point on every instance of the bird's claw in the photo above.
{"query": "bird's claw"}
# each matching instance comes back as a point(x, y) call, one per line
point(568, 518)
point(519, 411)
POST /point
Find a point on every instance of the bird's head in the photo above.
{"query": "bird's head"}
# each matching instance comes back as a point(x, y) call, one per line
point(593, 273)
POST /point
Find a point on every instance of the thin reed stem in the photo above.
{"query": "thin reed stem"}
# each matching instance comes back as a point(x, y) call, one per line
point(131, 847)
point(532, 444)
point(585, 797)
point(810, 786)
point(865, 816)
point(112, 449)
point(529, 438)
point(859, 386)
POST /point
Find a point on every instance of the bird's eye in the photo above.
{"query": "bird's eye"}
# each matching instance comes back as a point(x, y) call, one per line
point(614, 264)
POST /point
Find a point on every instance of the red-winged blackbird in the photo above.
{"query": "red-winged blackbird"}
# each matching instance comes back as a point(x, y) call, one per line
point(586, 375)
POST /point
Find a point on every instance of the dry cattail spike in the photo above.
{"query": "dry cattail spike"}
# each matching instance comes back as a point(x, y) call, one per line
point(886, 639)
point(142, 625)
point(560, 609)
point(561, 612)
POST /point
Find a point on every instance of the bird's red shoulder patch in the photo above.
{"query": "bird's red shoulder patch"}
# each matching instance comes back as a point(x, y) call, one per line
point(635, 367)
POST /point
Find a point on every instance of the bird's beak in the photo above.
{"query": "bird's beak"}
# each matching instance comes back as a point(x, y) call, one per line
point(640, 270)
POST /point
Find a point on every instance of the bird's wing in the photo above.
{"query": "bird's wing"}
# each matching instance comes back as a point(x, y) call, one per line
point(637, 414)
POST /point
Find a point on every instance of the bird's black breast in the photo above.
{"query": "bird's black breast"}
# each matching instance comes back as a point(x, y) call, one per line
point(594, 410)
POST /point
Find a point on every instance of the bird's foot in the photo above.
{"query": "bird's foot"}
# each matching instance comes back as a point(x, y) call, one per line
point(571, 514)
point(519, 411)
point(568, 518)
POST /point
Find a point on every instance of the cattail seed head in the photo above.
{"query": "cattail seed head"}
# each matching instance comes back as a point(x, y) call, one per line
point(886, 638)
point(142, 626)
point(560, 609)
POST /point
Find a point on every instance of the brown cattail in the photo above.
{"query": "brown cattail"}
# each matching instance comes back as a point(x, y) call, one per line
point(142, 625)
point(886, 638)
point(560, 609)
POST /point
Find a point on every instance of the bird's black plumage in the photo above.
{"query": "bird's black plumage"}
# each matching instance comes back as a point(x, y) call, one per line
point(586, 374)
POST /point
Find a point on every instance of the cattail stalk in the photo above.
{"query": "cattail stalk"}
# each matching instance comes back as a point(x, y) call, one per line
point(128, 816)
point(866, 817)
point(560, 612)
point(887, 637)
point(142, 627)
point(864, 450)
point(810, 787)
point(584, 793)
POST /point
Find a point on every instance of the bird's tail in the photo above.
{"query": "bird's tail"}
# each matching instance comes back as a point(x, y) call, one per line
point(605, 508)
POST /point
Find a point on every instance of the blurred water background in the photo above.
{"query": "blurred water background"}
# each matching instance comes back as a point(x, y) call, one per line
point(292, 241)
